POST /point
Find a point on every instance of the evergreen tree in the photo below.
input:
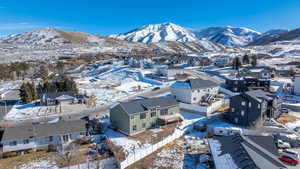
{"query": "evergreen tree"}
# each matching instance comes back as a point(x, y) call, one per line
point(246, 59)
point(254, 61)
point(25, 93)
point(236, 64)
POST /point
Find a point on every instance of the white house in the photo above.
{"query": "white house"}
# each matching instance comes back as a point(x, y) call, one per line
point(297, 84)
point(39, 136)
point(193, 91)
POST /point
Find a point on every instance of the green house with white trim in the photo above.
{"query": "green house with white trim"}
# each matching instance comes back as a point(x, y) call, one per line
point(136, 116)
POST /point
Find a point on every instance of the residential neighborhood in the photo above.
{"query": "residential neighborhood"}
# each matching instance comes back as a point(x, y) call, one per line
point(116, 85)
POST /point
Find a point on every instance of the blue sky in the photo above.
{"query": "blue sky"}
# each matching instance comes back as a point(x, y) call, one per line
point(116, 16)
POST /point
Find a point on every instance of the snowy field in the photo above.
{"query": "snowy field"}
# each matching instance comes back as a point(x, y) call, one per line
point(112, 83)
point(29, 111)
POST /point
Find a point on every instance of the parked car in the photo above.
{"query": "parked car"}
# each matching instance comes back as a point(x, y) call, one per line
point(223, 131)
point(282, 144)
point(284, 110)
point(289, 160)
point(155, 88)
point(290, 153)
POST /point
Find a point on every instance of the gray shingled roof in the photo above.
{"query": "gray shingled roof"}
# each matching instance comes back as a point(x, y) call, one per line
point(53, 95)
point(253, 152)
point(201, 83)
point(43, 130)
point(141, 105)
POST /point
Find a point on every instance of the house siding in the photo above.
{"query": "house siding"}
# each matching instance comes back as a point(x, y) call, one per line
point(38, 142)
point(125, 122)
point(120, 119)
point(252, 114)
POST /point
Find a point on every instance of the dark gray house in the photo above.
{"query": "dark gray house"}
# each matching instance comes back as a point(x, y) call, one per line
point(259, 72)
point(247, 83)
point(245, 152)
point(251, 108)
point(136, 116)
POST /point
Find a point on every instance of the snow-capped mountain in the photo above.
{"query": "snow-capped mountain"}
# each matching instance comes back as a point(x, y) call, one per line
point(274, 31)
point(291, 35)
point(228, 36)
point(198, 46)
point(51, 36)
point(158, 33)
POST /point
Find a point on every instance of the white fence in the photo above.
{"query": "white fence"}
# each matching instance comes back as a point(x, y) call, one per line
point(206, 110)
point(132, 158)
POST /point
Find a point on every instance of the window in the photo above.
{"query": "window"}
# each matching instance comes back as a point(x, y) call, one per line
point(249, 104)
point(163, 112)
point(50, 138)
point(235, 89)
point(236, 82)
point(194, 98)
point(243, 103)
point(142, 115)
point(13, 143)
point(236, 120)
point(132, 117)
point(242, 112)
point(66, 138)
point(144, 125)
point(232, 109)
point(134, 127)
point(153, 114)
point(258, 105)
point(26, 141)
point(198, 90)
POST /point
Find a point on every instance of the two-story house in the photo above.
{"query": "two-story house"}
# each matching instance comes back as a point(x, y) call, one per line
point(36, 136)
point(247, 83)
point(251, 108)
point(259, 72)
point(136, 116)
point(193, 91)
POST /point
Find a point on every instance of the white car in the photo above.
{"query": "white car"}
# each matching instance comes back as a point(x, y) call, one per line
point(282, 144)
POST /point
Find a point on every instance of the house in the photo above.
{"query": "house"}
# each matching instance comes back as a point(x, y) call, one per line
point(239, 151)
point(136, 116)
point(26, 137)
point(259, 72)
point(251, 108)
point(55, 98)
point(193, 91)
point(222, 61)
point(246, 84)
point(169, 72)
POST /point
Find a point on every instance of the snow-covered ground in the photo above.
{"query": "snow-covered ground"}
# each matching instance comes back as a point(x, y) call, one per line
point(113, 83)
point(131, 146)
point(39, 164)
point(29, 111)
